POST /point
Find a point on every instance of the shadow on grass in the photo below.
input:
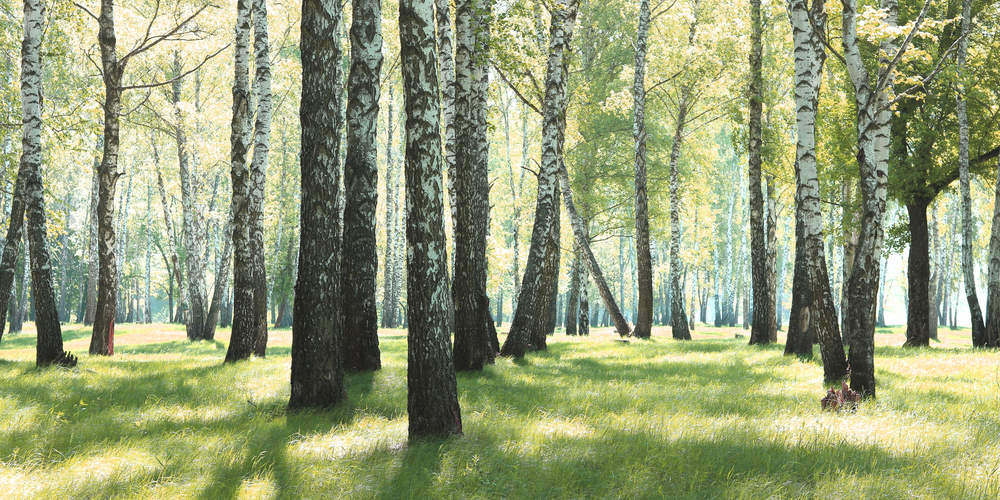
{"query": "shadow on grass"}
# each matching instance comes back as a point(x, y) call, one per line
point(24, 341)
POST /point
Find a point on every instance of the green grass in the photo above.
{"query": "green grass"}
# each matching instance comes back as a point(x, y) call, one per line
point(589, 418)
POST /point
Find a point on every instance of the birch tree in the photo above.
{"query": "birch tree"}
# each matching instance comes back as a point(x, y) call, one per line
point(469, 177)
point(537, 292)
point(317, 378)
point(644, 277)
point(360, 260)
point(763, 312)
point(812, 315)
point(432, 394)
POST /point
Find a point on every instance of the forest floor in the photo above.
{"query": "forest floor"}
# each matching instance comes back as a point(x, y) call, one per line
point(589, 418)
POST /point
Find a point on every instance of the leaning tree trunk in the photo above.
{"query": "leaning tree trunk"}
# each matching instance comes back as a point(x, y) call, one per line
point(360, 257)
point(317, 360)
point(678, 323)
point(979, 338)
point(813, 316)
point(12, 246)
point(763, 327)
point(102, 340)
point(221, 282)
point(469, 176)
point(534, 303)
point(644, 274)
point(582, 237)
point(50, 343)
point(432, 396)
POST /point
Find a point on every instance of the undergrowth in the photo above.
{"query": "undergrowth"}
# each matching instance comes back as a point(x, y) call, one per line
point(589, 418)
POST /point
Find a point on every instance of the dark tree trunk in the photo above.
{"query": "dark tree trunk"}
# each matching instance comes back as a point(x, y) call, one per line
point(103, 339)
point(473, 348)
point(644, 274)
point(317, 362)
point(918, 276)
point(360, 258)
point(432, 397)
point(573, 299)
point(93, 265)
point(8, 263)
point(763, 310)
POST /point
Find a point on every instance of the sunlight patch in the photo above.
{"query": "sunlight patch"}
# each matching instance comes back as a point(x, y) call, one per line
point(558, 427)
point(366, 435)
point(258, 488)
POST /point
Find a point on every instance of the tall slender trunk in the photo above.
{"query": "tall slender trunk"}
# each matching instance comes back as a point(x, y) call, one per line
point(678, 318)
point(993, 279)
point(49, 348)
point(121, 292)
point(573, 298)
point(147, 305)
point(390, 301)
point(102, 341)
point(534, 303)
point(644, 275)
point(360, 265)
point(979, 337)
point(873, 120)
point(582, 236)
point(249, 334)
point(171, 235)
point(813, 316)
point(469, 174)
point(772, 256)
point(221, 281)
point(93, 265)
point(64, 260)
point(432, 399)
point(8, 262)
point(193, 227)
point(763, 312)
point(317, 378)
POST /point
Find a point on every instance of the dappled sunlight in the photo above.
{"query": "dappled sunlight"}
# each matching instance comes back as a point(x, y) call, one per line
point(369, 433)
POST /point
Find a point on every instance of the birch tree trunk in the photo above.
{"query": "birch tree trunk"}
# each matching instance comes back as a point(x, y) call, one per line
point(678, 318)
point(432, 397)
point(49, 349)
point(360, 265)
point(993, 279)
point(64, 260)
point(813, 316)
point(979, 337)
point(249, 333)
point(390, 302)
point(573, 297)
point(221, 281)
point(468, 176)
point(171, 237)
point(772, 257)
point(102, 340)
point(763, 327)
point(582, 236)
point(12, 247)
point(317, 360)
point(147, 305)
point(644, 275)
point(93, 265)
point(534, 303)
point(873, 120)
point(194, 233)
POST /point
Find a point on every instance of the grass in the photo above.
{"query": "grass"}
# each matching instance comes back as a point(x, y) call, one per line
point(589, 418)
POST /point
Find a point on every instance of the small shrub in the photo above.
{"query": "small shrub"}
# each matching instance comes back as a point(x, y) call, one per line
point(844, 399)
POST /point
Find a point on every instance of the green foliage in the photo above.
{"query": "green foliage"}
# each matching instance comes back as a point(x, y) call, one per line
point(589, 418)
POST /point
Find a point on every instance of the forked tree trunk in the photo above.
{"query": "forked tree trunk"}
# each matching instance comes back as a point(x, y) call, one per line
point(360, 257)
point(812, 314)
point(873, 121)
point(582, 237)
point(317, 361)
point(534, 303)
point(469, 175)
point(644, 274)
point(432, 396)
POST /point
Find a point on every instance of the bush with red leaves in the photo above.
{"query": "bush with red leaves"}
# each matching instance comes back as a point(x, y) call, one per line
point(844, 399)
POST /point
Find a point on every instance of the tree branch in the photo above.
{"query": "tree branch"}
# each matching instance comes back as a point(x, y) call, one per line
point(176, 78)
point(144, 46)
point(520, 96)
point(89, 13)
point(937, 69)
point(886, 75)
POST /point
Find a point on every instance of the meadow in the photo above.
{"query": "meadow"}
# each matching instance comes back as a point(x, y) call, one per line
point(589, 418)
